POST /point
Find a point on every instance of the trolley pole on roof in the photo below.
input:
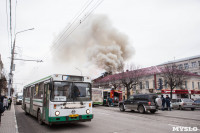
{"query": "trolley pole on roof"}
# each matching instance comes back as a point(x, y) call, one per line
point(79, 70)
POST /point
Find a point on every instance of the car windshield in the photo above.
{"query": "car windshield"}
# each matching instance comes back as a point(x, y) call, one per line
point(197, 101)
point(19, 97)
point(187, 100)
point(68, 91)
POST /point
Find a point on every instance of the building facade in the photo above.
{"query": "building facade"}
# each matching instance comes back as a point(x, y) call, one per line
point(1, 67)
point(3, 82)
point(191, 64)
point(152, 81)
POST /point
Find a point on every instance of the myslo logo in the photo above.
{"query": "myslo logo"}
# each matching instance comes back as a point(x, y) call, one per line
point(176, 128)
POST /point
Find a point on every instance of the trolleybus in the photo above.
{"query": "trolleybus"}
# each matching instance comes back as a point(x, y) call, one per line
point(59, 99)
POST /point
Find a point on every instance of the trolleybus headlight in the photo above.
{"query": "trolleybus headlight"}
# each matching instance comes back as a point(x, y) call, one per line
point(87, 111)
point(57, 113)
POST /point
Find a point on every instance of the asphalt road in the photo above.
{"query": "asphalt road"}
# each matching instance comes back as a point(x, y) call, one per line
point(111, 120)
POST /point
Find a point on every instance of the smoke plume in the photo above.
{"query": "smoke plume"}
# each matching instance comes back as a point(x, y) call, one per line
point(94, 43)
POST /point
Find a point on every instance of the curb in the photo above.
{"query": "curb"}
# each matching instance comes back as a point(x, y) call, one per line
point(15, 120)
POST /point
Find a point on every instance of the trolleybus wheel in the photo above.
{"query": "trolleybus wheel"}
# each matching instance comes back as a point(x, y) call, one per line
point(121, 107)
point(39, 118)
point(26, 113)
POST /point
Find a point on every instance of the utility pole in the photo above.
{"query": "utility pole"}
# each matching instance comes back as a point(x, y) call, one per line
point(12, 61)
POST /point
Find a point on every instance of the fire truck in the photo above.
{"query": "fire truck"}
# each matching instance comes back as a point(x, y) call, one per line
point(111, 97)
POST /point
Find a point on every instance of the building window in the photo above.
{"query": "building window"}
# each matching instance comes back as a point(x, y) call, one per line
point(199, 63)
point(140, 85)
point(166, 84)
point(180, 66)
point(194, 64)
point(193, 85)
point(185, 84)
point(198, 85)
point(186, 66)
point(147, 84)
point(154, 84)
point(160, 84)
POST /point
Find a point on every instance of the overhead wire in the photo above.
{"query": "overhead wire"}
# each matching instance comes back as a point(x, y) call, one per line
point(52, 51)
point(10, 21)
point(78, 14)
point(85, 6)
point(10, 46)
point(15, 17)
point(73, 20)
point(82, 20)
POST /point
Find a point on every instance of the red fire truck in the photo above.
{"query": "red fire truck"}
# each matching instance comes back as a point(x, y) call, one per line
point(111, 97)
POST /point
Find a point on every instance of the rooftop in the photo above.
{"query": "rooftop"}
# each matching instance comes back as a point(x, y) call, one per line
point(139, 73)
point(179, 60)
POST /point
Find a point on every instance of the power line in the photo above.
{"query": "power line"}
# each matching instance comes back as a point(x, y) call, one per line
point(11, 21)
point(86, 5)
point(10, 47)
point(74, 19)
point(15, 16)
point(89, 13)
point(82, 20)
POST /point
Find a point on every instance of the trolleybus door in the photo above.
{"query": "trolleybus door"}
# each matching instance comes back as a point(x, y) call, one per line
point(45, 111)
point(31, 100)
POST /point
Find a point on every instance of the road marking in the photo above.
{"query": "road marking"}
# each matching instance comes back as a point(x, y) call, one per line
point(104, 113)
point(15, 120)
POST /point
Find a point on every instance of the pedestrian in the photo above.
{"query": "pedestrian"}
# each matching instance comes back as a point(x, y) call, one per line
point(163, 102)
point(110, 103)
point(9, 103)
point(1, 98)
point(1, 110)
point(168, 102)
point(5, 103)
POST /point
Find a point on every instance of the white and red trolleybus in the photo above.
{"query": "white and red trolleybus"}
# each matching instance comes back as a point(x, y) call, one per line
point(59, 99)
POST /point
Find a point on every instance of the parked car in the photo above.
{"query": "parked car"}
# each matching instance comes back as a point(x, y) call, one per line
point(183, 103)
point(197, 103)
point(18, 99)
point(140, 102)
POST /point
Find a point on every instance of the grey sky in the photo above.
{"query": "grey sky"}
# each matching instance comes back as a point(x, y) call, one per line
point(159, 30)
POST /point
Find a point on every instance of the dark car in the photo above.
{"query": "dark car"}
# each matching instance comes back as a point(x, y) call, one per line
point(197, 103)
point(140, 102)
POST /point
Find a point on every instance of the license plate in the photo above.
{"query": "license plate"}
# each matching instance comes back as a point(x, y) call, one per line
point(75, 115)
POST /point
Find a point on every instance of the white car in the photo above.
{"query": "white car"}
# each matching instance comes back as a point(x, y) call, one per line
point(183, 103)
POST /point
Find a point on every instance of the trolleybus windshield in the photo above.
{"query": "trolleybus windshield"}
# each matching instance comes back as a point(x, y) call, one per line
point(69, 91)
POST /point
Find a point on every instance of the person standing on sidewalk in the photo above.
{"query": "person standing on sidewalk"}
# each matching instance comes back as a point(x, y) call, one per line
point(168, 102)
point(163, 102)
point(5, 103)
point(9, 103)
point(1, 110)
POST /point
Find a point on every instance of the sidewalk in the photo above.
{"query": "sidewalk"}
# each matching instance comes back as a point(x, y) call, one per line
point(8, 121)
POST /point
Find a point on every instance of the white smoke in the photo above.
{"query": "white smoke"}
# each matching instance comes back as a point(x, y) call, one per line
point(95, 43)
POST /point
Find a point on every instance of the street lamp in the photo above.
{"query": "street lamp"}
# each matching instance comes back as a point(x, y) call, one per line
point(12, 60)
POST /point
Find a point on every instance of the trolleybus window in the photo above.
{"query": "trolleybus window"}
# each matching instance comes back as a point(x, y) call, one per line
point(68, 91)
point(61, 91)
point(82, 91)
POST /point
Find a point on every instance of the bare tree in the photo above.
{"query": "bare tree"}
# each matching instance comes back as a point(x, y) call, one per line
point(129, 79)
point(114, 82)
point(173, 76)
point(3, 84)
